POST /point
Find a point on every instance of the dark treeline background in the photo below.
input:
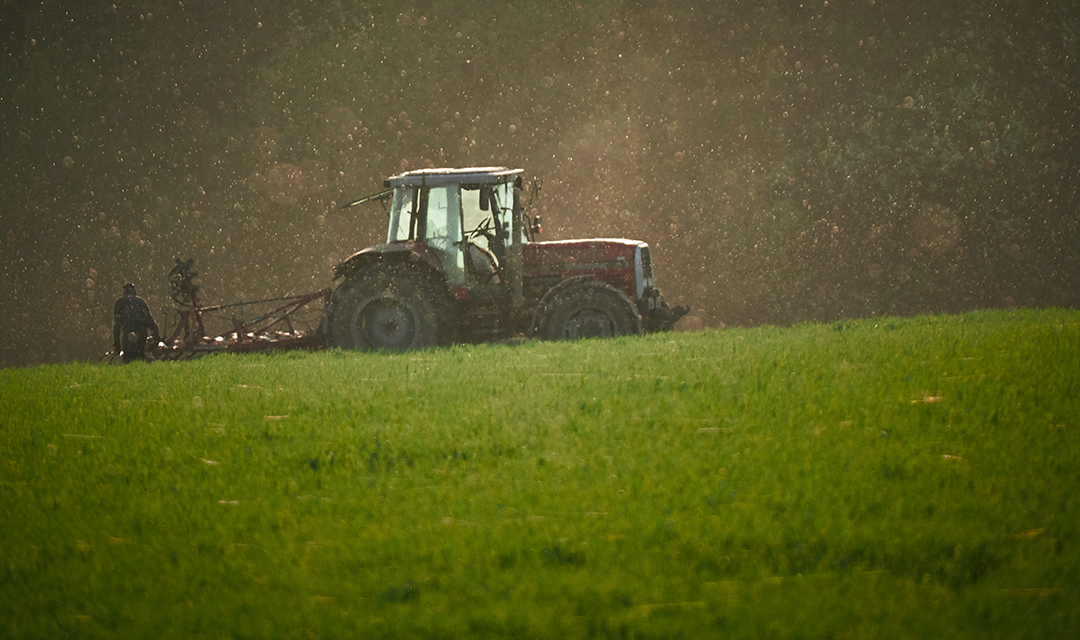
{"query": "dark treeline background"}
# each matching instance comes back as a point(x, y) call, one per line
point(788, 162)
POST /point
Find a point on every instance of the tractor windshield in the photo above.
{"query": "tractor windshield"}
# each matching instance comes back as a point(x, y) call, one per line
point(431, 215)
point(490, 209)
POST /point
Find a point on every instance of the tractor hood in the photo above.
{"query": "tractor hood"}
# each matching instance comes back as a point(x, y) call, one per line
point(624, 263)
point(568, 257)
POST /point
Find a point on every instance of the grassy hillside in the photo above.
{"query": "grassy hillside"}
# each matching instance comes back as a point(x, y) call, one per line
point(874, 478)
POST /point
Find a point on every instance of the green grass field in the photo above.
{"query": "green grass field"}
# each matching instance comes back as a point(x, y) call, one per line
point(881, 478)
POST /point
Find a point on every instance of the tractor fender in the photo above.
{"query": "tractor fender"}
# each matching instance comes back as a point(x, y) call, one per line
point(545, 300)
point(397, 252)
point(416, 255)
point(390, 305)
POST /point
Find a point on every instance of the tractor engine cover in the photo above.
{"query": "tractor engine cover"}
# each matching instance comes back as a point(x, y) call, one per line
point(624, 264)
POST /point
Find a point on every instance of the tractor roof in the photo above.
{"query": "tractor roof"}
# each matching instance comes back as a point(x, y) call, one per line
point(467, 175)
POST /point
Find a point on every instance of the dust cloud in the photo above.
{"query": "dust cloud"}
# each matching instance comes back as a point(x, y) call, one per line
point(787, 162)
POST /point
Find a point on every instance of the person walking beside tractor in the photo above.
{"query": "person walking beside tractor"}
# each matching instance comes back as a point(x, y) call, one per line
point(132, 324)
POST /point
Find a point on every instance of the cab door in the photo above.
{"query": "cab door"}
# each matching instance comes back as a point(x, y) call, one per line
point(483, 247)
point(440, 229)
point(432, 216)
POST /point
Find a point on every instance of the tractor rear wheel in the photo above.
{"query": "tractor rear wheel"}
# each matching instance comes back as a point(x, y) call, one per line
point(387, 306)
point(589, 309)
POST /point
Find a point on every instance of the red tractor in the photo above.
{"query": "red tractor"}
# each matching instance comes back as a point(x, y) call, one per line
point(461, 263)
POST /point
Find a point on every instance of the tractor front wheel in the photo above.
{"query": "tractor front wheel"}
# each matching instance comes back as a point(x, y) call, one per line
point(391, 307)
point(589, 309)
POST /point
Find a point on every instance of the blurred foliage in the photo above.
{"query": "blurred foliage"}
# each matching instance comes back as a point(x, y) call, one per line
point(786, 162)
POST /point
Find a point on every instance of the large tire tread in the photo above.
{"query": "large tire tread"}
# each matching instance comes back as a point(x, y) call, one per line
point(587, 309)
point(390, 306)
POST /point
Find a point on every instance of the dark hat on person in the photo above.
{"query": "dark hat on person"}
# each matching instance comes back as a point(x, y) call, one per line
point(129, 287)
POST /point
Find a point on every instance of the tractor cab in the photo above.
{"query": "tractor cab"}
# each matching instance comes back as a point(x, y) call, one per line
point(468, 218)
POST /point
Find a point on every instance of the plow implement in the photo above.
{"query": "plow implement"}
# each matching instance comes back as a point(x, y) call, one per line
point(289, 322)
